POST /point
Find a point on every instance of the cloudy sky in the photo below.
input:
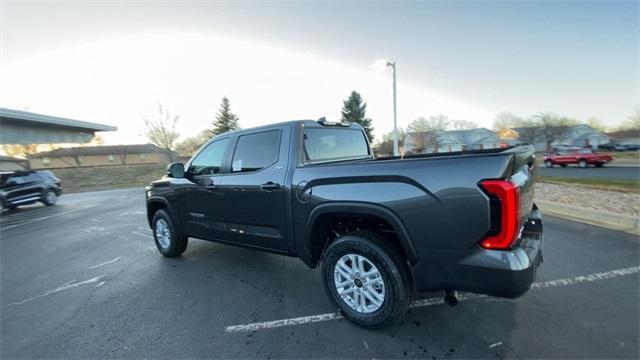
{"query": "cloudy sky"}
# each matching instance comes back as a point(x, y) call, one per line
point(112, 62)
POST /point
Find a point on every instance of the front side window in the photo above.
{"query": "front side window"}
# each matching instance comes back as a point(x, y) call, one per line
point(334, 144)
point(256, 151)
point(209, 161)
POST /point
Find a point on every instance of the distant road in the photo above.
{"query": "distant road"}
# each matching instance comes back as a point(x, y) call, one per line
point(606, 172)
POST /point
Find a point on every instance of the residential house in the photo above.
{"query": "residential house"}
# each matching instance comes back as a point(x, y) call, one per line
point(625, 137)
point(448, 141)
point(8, 163)
point(107, 155)
point(477, 139)
point(580, 135)
point(428, 142)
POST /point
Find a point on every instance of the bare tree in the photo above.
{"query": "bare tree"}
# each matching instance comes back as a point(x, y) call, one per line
point(461, 124)
point(161, 130)
point(552, 128)
point(385, 146)
point(122, 152)
point(190, 145)
point(633, 121)
point(528, 130)
point(597, 124)
point(425, 132)
point(505, 121)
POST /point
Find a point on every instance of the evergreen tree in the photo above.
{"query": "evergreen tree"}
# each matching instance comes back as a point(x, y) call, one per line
point(354, 110)
point(225, 119)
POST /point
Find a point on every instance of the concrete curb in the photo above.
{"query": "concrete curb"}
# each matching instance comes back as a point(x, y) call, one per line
point(605, 219)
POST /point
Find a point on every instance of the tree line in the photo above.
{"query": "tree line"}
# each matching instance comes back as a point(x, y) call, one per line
point(543, 127)
point(161, 129)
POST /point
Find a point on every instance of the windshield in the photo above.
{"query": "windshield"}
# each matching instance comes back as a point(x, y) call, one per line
point(323, 144)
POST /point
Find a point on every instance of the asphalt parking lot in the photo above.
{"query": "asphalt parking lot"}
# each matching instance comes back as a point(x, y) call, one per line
point(83, 280)
point(606, 172)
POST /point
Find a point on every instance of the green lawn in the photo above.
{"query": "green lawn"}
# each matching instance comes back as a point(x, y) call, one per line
point(604, 184)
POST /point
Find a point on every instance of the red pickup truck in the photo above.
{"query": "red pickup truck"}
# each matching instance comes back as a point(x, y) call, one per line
point(580, 156)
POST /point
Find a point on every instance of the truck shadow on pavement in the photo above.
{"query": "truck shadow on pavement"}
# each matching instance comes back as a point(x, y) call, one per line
point(229, 286)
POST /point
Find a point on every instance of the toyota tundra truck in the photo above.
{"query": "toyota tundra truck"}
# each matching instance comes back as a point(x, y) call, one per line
point(381, 229)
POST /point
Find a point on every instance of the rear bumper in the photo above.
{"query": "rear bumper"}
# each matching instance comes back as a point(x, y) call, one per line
point(492, 272)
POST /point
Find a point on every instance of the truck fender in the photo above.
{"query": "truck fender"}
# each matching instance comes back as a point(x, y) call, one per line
point(166, 205)
point(364, 209)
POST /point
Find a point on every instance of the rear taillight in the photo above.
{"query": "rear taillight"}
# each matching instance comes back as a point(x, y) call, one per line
point(506, 197)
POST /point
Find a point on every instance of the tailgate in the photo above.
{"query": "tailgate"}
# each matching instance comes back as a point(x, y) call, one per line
point(523, 174)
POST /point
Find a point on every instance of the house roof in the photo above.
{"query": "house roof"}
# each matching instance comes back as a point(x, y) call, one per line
point(588, 135)
point(23, 127)
point(40, 119)
point(624, 134)
point(100, 150)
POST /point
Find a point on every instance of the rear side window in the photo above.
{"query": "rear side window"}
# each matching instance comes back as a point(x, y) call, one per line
point(334, 144)
point(256, 151)
point(209, 160)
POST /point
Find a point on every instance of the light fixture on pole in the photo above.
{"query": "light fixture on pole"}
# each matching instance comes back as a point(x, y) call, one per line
point(392, 65)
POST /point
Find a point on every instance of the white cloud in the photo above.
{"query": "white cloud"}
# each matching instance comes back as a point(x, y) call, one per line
point(119, 80)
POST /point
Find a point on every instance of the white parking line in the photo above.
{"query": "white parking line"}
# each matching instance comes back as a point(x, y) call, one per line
point(66, 286)
point(145, 235)
point(430, 301)
point(106, 263)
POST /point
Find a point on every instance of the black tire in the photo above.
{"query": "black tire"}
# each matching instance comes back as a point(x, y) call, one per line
point(393, 271)
point(49, 197)
point(548, 164)
point(177, 242)
point(583, 164)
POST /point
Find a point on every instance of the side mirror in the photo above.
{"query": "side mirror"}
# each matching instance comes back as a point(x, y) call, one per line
point(175, 170)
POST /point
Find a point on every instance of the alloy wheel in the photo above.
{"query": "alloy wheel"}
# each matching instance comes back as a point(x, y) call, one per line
point(52, 197)
point(359, 283)
point(163, 234)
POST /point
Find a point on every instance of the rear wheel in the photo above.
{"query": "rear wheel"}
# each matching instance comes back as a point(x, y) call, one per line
point(548, 164)
point(583, 164)
point(365, 277)
point(168, 241)
point(49, 198)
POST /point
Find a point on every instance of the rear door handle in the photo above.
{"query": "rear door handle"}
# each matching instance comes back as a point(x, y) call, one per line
point(270, 186)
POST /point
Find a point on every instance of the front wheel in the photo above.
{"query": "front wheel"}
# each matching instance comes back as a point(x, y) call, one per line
point(548, 164)
point(366, 279)
point(168, 241)
point(49, 198)
point(583, 164)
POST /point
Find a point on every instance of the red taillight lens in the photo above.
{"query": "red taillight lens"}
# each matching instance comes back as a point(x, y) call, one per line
point(508, 196)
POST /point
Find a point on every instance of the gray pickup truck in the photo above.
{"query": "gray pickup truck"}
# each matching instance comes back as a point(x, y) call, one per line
point(381, 229)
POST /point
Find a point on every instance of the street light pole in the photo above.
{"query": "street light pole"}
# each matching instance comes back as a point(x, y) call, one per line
point(396, 151)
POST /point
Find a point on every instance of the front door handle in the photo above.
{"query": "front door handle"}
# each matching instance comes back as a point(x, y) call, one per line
point(270, 186)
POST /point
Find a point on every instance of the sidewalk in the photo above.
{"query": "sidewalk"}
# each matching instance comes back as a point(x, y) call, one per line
point(610, 209)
